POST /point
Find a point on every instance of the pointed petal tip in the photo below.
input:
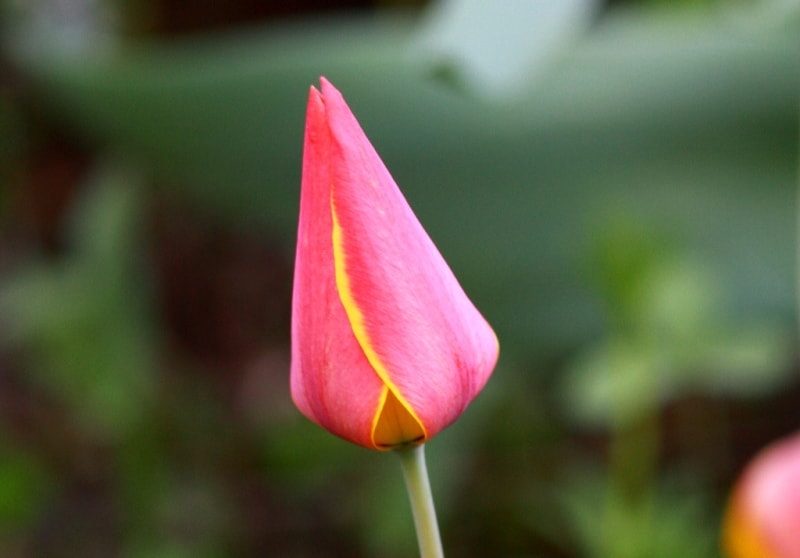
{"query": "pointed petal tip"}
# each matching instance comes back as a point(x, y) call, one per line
point(331, 94)
point(315, 108)
point(325, 83)
point(325, 93)
point(313, 93)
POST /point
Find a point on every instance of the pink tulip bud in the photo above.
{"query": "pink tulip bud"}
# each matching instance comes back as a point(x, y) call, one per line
point(763, 518)
point(387, 350)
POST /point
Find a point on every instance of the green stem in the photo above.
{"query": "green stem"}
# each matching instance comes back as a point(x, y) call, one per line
point(418, 486)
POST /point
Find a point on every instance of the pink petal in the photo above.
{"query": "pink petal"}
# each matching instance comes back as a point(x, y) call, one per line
point(764, 517)
point(331, 381)
point(433, 345)
point(386, 347)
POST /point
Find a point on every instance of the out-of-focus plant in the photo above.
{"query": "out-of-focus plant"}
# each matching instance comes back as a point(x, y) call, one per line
point(497, 49)
point(69, 27)
point(669, 335)
point(670, 332)
point(671, 520)
point(26, 489)
point(86, 318)
point(84, 325)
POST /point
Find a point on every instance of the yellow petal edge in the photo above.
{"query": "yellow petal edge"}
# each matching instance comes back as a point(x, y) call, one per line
point(395, 422)
point(741, 539)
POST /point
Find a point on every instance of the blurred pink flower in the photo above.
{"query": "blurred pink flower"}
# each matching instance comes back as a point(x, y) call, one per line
point(763, 517)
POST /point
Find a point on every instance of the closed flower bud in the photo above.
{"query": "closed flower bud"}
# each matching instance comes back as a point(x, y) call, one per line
point(387, 350)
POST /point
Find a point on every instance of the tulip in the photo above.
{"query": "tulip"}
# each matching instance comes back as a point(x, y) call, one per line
point(387, 350)
point(763, 517)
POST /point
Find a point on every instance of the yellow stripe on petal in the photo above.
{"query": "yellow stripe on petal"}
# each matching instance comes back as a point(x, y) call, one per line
point(395, 422)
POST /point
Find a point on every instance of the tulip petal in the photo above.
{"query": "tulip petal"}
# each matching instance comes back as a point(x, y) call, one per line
point(395, 422)
point(332, 383)
point(743, 538)
point(763, 519)
point(432, 347)
point(395, 425)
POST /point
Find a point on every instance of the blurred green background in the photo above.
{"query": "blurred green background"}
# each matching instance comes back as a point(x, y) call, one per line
point(613, 183)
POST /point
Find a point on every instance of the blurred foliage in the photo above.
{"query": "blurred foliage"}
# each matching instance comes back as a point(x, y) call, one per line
point(673, 522)
point(86, 318)
point(24, 487)
point(623, 213)
point(668, 333)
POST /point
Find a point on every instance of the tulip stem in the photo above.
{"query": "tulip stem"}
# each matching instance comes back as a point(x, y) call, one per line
point(415, 473)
